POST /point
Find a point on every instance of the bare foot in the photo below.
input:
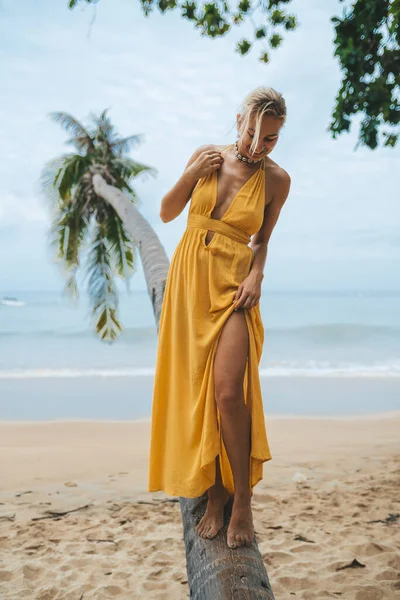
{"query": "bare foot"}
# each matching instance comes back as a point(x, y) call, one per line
point(213, 519)
point(241, 528)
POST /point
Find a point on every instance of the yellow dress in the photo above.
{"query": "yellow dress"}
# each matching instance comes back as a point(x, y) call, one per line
point(202, 281)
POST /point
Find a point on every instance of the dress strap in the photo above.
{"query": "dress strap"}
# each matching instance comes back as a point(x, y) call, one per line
point(226, 147)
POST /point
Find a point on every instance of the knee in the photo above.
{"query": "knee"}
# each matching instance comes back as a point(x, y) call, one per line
point(228, 399)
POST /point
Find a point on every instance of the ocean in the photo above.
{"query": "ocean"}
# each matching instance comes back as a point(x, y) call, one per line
point(325, 353)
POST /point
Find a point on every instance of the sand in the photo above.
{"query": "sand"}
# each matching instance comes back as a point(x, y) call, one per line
point(325, 501)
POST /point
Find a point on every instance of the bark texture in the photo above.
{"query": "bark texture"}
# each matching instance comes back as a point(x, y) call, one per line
point(215, 572)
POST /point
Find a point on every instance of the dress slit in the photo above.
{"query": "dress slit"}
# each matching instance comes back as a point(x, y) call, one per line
point(225, 466)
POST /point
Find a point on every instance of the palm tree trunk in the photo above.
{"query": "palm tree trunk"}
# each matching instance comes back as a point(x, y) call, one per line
point(215, 572)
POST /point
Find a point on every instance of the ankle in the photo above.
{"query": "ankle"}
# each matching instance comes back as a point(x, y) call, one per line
point(242, 498)
point(217, 492)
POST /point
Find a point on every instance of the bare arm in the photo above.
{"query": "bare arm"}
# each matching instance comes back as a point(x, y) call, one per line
point(272, 211)
point(249, 291)
point(174, 201)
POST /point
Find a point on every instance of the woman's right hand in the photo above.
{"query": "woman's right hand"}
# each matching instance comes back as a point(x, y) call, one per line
point(205, 163)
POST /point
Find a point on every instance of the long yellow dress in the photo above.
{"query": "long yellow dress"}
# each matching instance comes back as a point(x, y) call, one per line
point(202, 281)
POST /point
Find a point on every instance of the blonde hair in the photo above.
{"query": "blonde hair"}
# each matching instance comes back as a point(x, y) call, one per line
point(261, 101)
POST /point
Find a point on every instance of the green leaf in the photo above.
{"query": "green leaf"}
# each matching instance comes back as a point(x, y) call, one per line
point(243, 47)
point(189, 10)
point(277, 17)
point(275, 40)
point(391, 139)
point(260, 33)
point(244, 6)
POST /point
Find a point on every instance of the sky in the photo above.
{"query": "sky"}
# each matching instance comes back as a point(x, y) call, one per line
point(339, 228)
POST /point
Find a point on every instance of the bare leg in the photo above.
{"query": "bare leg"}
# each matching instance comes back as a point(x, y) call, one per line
point(213, 519)
point(229, 368)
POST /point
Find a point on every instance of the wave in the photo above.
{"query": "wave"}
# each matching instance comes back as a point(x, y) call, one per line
point(11, 302)
point(329, 332)
point(342, 332)
point(134, 334)
point(310, 369)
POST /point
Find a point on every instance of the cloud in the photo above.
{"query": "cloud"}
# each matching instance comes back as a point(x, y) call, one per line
point(180, 90)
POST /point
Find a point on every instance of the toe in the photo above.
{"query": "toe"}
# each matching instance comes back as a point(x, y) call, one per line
point(200, 529)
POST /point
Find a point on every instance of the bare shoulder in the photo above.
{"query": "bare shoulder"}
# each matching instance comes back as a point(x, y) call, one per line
point(203, 148)
point(278, 182)
point(211, 148)
point(206, 147)
point(276, 173)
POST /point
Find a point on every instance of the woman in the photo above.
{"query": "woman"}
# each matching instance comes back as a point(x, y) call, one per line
point(208, 427)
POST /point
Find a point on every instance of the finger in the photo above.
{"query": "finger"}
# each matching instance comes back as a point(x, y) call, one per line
point(237, 294)
point(247, 302)
point(240, 300)
point(254, 303)
point(251, 301)
point(216, 163)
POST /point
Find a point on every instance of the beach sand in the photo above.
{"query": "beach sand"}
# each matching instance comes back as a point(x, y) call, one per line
point(325, 501)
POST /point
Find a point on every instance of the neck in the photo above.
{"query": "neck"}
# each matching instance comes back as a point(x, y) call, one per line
point(244, 158)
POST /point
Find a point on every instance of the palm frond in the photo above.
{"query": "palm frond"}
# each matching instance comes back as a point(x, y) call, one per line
point(69, 175)
point(124, 145)
point(67, 234)
point(126, 168)
point(105, 130)
point(74, 127)
point(121, 245)
point(60, 176)
point(70, 291)
point(47, 178)
point(80, 143)
point(101, 287)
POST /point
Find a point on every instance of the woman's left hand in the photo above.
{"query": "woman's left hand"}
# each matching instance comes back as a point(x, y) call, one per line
point(249, 291)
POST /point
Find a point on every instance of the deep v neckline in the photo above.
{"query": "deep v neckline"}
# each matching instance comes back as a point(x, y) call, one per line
point(237, 193)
